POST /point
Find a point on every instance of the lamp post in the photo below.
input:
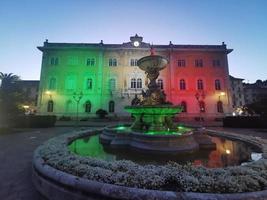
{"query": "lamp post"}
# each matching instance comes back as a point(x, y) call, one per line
point(221, 94)
point(77, 98)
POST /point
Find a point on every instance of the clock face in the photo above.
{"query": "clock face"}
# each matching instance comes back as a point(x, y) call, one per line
point(136, 43)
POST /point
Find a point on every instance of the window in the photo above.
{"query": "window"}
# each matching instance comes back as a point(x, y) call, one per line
point(133, 62)
point(199, 63)
point(90, 62)
point(70, 83)
point(54, 61)
point(184, 106)
point(200, 84)
point(182, 84)
point(69, 106)
point(219, 107)
point(181, 63)
point(216, 63)
point(217, 84)
point(111, 106)
point(133, 83)
point(160, 84)
point(50, 106)
point(88, 106)
point(139, 83)
point(112, 62)
point(202, 106)
point(89, 84)
point(52, 84)
point(112, 84)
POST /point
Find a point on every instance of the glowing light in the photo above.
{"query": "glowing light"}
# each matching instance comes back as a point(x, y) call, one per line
point(48, 92)
point(227, 151)
point(222, 94)
point(26, 106)
point(120, 128)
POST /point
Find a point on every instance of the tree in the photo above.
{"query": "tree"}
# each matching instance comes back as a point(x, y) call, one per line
point(10, 98)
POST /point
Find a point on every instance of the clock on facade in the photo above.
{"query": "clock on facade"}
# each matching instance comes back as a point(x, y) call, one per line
point(136, 43)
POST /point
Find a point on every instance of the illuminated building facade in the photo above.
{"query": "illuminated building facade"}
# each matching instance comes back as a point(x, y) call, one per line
point(97, 75)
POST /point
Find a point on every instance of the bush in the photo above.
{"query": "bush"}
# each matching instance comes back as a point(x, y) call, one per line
point(64, 118)
point(245, 122)
point(34, 121)
point(101, 113)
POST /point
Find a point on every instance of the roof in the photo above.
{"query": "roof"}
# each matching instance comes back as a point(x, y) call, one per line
point(129, 45)
point(231, 77)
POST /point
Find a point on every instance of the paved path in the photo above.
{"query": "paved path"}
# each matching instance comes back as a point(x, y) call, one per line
point(16, 151)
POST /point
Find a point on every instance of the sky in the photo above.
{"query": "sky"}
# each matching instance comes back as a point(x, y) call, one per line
point(241, 24)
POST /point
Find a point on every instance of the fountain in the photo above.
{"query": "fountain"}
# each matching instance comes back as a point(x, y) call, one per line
point(153, 128)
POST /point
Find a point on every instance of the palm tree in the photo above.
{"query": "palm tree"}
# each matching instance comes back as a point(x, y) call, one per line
point(7, 80)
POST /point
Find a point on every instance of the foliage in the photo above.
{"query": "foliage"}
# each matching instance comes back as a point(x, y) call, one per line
point(259, 107)
point(10, 97)
point(101, 113)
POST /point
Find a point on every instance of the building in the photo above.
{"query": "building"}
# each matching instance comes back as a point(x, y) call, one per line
point(255, 92)
point(30, 89)
point(87, 77)
point(237, 90)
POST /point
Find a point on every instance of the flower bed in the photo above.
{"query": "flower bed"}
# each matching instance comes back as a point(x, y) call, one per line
point(169, 177)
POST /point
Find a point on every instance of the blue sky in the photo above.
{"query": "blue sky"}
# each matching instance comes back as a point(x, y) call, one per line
point(241, 24)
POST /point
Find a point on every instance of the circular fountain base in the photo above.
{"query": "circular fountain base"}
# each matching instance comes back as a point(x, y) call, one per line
point(151, 143)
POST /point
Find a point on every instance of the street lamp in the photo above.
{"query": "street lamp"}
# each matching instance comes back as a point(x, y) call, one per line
point(49, 93)
point(221, 94)
point(77, 98)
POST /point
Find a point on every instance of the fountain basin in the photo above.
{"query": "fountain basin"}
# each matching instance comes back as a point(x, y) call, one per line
point(152, 62)
point(156, 143)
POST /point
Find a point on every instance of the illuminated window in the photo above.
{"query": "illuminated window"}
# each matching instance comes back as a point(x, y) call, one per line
point(133, 62)
point(111, 106)
point(89, 84)
point(160, 84)
point(181, 63)
point(199, 63)
point(216, 63)
point(50, 106)
point(217, 84)
point(184, 106)
point(182, 84)
point(200, 84)
point(220, 107)
point(112, 62)
point(88, 106)
point(202, 106)
point(139, 83)
point(52, 84)
point(133, 83)
point(90, 62)
point(112, 84)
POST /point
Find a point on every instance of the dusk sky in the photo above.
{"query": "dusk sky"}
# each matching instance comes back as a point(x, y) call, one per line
point(241, 24)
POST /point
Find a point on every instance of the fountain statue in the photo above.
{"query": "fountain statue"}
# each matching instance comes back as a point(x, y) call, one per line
point(153, 128)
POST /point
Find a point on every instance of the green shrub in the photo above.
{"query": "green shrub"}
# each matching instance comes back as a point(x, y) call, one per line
point(101, 113)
